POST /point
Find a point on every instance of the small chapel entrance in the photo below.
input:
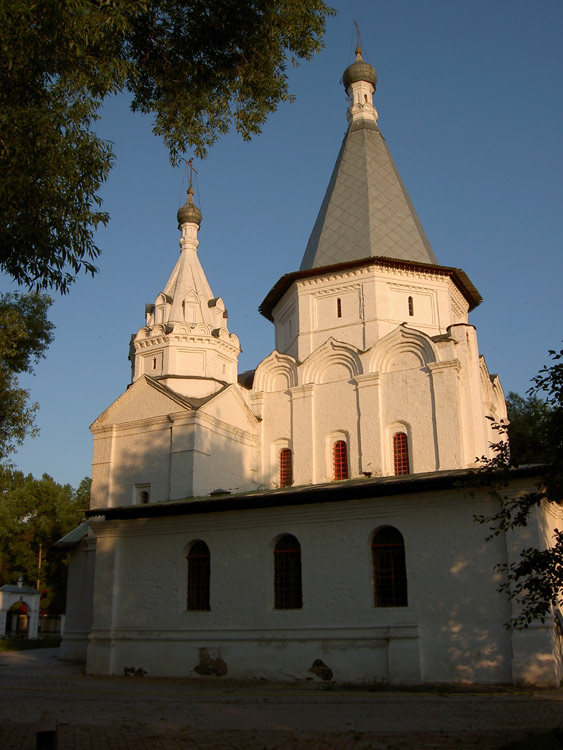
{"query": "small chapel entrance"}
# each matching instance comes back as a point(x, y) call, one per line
point(19, 611)
point(17, 621)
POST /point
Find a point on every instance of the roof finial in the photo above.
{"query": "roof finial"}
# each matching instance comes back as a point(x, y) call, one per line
point(189, 212)
point(358, 41)
point(190, 164)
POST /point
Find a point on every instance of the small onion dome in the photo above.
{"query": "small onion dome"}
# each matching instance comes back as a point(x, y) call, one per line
point(189, 212)
point(359, 71)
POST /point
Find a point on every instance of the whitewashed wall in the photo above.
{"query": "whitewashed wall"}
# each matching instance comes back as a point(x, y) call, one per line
point(452, 630)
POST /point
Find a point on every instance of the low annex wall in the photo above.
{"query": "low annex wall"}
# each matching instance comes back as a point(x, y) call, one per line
point(452, 629)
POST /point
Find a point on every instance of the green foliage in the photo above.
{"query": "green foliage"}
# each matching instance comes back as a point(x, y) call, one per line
point(528, 429)
point(25, 334)
point(34, 514)
point(535, 580)
point(197, 67)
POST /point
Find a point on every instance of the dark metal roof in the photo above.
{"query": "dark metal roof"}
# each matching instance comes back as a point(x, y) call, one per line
point(366, 210)
point(459, 277)
point(354, 489)
point(10, 588)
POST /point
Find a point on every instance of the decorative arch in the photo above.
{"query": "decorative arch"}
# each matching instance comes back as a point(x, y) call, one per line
point(221, 333)
point(143, 333)
point(201, 329)
point(403, 348)
point(181, 329)
point(191, 307)
point(277, 372)
point(332, 361)
point(218, 303)
point(161, 308)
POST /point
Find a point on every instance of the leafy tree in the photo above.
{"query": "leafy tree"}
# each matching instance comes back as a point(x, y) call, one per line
point(535, 580)
point(198, 67)
point(25, 334)
point(528, 429)
point(34, 514)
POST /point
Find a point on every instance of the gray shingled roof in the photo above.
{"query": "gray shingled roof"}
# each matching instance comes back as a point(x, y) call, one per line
point(366, 211)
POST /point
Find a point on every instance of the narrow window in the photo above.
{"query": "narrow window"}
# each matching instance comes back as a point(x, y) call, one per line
point(338, 308)
point(401, 453)
point(389, 569)
point(340, 457)
point(286, 467)
point(154, 363)
point(199, 575)
point(144, 496)
point(287, 573)
point(411, 306)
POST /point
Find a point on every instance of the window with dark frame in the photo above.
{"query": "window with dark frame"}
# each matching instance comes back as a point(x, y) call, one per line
point(338, 307)
point(389, 569)
point(199, 577)
point(286, 467)
point(340, 460)
point(401, 454)
point(411, 306)
point(287, 574)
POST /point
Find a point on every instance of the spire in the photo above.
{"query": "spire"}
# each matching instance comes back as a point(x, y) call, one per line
point(186, 334)
point(366, 211)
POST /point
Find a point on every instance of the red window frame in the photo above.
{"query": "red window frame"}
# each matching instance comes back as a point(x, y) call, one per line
point(286, 467)
point(340, 460)
point(401, 464)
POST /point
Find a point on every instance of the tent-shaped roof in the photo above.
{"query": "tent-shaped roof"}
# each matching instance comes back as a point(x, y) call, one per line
point(366, 211)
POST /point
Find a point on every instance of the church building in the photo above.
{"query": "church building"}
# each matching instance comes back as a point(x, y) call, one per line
point(313, 518)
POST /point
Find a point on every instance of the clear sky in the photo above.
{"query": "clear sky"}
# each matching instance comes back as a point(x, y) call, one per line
point(470, 102)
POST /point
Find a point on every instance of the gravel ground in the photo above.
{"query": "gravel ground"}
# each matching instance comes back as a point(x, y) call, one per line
point(213, 714)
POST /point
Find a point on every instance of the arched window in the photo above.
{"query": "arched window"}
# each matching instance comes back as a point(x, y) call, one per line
point(287, 573)
point(199, 575)
point(340, 460)
point(401, 453)
point(389, 569)
point(411, 306)
point(286, 467)
point(338, 307)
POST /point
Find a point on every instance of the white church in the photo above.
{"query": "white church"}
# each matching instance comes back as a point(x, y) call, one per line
point(306, 520)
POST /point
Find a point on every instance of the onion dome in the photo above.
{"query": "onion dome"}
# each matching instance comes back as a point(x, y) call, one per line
point(359, 71)
point(189, 212)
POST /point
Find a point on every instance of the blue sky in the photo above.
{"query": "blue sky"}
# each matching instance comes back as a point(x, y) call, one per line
point(470, 102)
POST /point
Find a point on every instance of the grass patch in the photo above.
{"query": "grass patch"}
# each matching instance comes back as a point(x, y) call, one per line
point(552, 740)
point(22, 644)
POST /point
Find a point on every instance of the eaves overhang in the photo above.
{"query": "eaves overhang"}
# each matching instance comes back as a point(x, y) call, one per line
point(332, 492)
point(459, 277)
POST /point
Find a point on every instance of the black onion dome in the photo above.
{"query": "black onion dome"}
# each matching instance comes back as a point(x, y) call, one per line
point(359, 71)
point(189, 212)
